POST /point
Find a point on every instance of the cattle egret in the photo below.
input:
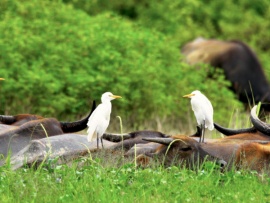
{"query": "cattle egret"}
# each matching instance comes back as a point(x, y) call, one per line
point(100, 118)
point(203, 111)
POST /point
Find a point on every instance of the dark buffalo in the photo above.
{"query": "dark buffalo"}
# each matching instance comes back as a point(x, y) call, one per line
point(239, 63)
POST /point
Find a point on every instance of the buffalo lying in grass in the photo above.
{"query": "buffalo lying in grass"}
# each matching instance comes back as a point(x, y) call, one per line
point(145, 145)
point(177, 150)
point(252, 154)
point(13, 138)
point(65, 148)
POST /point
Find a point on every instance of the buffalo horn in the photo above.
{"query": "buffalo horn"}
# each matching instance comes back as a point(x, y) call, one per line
point(198, 132)
point(160, 140)
point(70, 127)
point(7, 119)
point(229, 132)
point(258, 124)
point(115, 137)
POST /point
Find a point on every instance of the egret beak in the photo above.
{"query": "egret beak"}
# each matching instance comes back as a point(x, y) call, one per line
point(189, 95)
point(116, 96)
point(2, 79)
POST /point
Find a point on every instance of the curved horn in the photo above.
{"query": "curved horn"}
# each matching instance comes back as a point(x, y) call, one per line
point(165, 141)
point(229, 132)
point(198, 132)
point(7, 119)
point(70, 127)
point(258, 124)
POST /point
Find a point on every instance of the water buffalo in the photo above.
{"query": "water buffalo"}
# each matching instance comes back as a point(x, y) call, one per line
point(14, 138)
point(68, 147)
point(63, 148)
point(178, 149)
point(239, 63)
point(234, 150)
point(251, 154)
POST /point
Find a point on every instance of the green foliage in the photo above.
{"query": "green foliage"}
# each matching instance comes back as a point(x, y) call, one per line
point(186, 20)
point(56, 59)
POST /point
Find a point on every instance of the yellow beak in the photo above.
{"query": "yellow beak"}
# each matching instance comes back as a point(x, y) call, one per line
point(188, 95)
point(2, 79)
point(116, 96)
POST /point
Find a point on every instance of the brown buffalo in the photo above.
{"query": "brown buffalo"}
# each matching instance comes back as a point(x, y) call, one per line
point(238, 148)
point(251, 154)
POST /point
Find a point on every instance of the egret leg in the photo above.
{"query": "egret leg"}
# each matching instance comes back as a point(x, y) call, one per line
point(101, 140)
point(203, 130)
point(97, 141)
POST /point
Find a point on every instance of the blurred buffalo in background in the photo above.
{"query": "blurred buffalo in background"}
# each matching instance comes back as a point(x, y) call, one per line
point(240, 64)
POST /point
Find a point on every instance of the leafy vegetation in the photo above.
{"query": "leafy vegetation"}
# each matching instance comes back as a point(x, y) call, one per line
point(58, 56)
point(56, 59)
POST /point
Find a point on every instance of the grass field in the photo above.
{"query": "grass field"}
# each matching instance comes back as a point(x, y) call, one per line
point(99, 180)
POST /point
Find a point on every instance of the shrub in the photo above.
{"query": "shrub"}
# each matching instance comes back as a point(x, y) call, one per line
point(185, 20)
point(56, 59)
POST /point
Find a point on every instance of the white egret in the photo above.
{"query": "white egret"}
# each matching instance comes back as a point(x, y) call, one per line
point(203, 111)
point(100, 118)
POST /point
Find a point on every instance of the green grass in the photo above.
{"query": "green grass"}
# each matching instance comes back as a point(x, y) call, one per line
point(100, 181)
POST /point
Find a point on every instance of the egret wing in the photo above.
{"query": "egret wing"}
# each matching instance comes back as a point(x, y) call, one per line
point(93, 123)
point(208, 112)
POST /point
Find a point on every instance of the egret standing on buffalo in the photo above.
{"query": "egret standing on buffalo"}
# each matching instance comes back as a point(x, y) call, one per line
point(203, 111)
point(100, 118)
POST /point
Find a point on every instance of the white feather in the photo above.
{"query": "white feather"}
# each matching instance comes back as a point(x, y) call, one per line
point(203, 109)
point(100, 118)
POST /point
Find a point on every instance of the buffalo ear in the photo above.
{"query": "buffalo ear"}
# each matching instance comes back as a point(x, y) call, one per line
point(143, 160)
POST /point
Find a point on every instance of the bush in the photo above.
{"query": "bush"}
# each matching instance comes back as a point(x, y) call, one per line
point(186, 20)
point(56, 59)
